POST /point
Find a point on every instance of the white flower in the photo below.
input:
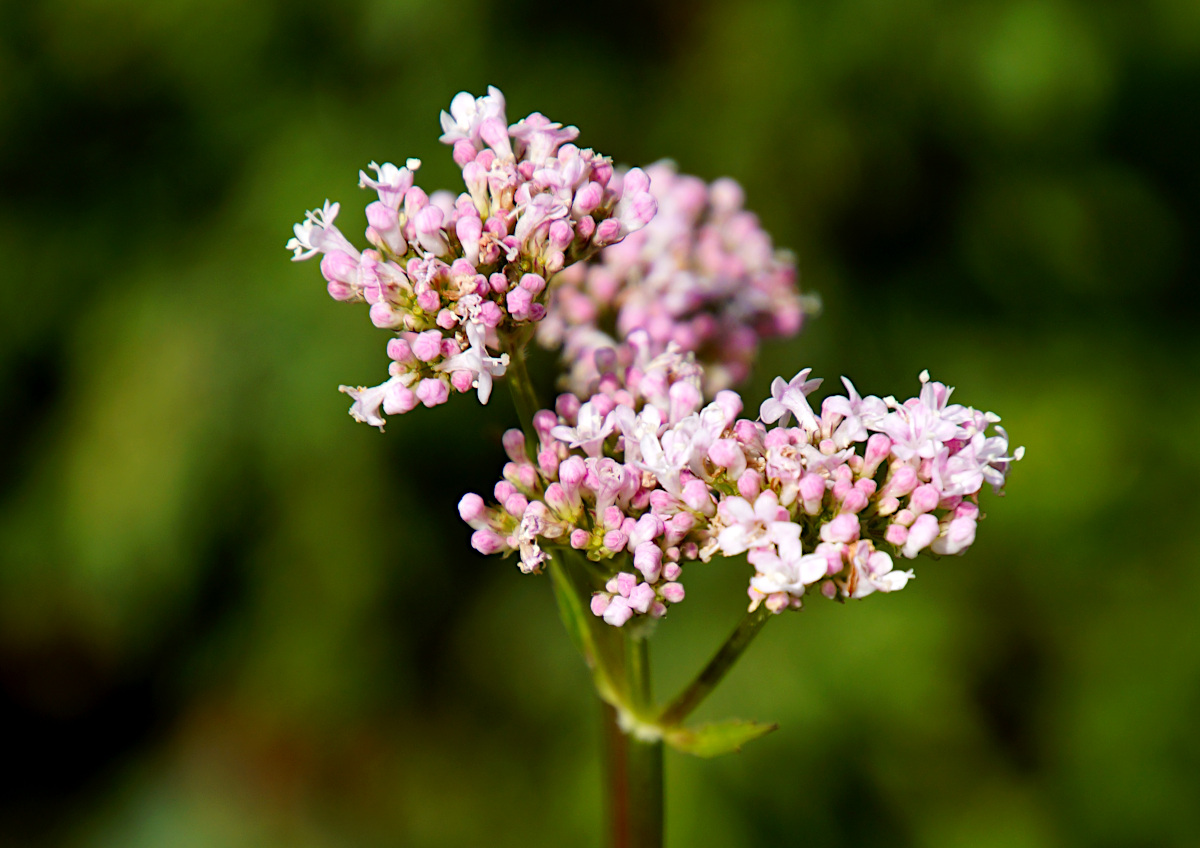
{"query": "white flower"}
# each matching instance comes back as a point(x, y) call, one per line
point(635, 426)
point(589, 432)
point(392, 182)
point(762, 525)
point(788, 571)
point(872, 572)
point(317, 234)
point(858, 414)
point(468, 112)
point(478, 361)
point(789, 399)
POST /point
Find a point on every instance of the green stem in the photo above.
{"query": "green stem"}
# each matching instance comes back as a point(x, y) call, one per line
point(634, 766)
point(717, 667)
point(525, 398)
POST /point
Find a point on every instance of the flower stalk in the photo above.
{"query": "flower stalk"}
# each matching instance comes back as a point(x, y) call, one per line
point(717, 667)
point(634, 765)
point(523, 394)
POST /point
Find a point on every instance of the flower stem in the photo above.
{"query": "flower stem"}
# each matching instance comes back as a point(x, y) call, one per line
point(634, 766)
point(717, 668)
point(524, 397)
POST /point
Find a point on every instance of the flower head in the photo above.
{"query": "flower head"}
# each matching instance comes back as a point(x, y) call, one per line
point(453, 277)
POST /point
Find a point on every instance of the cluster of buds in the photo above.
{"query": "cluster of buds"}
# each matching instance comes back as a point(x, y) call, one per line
point(702, 275)
point(457, 277)
point(643, 473)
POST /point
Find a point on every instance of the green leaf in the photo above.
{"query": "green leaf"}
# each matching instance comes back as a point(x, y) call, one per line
point(713, 740)
point(600, 644)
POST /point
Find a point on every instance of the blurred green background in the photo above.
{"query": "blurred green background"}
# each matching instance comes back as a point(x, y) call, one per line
point(230, 616)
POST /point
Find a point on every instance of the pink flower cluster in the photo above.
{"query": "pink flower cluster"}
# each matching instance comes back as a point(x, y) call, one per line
point(456, 277)
point(643, 476)
point(702, 275)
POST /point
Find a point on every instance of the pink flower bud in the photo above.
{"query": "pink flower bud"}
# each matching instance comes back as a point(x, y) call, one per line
point(561, 235)
point(514, 445)
point(399, 400)
point(618, 612)
point(615, 540)
point(495, 135)
point(579, 539)
point(625, 583)
point(888, 505)
point(524, 473)
point(612, 518)
point(556, 498)
point(896, 534)
point(415, 199)
point(384, 316)
point(607, 232)
point(462, 381)
point(812, 487)
point(427, 346)
point(923, 531)
point(682, 522)
point(924, 499)
point(966, 509)
point(673, 592)
point(956, 538)
point(428, 301)
point(428, 224)
point(464, 152)
point(777, 602)
point(696, 496)
point(399, 350)
point(491, 314)
point(905, 517)
point(433, 392)
point(533, 283)
point(726, 453)
point(854, 502)
point(600, 602)
point(749, 485)
point(339, 266)
point(878, 447)
point(642, 597)
point(587, 199)
point(543, 422)
point(547, 462)
point(503, 491)
point(843, 528)
point(662, 502)
point(571, 474)
point(647, 559)
point(487, 541)
point(685, 399)
point(671, 571)
point(469, 229)
point(471, 507)
point(516, 504)
point(900, 482)
point(520, 303)
point(635, 181)
point(731, 404)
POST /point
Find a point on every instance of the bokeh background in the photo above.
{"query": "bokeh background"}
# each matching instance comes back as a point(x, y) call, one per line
point(230, 616)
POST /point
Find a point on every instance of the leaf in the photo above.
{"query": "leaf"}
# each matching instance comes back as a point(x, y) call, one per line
point(713, 740)
point(600, 643)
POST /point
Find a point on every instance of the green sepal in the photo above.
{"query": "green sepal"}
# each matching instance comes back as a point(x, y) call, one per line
point(713, 740)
